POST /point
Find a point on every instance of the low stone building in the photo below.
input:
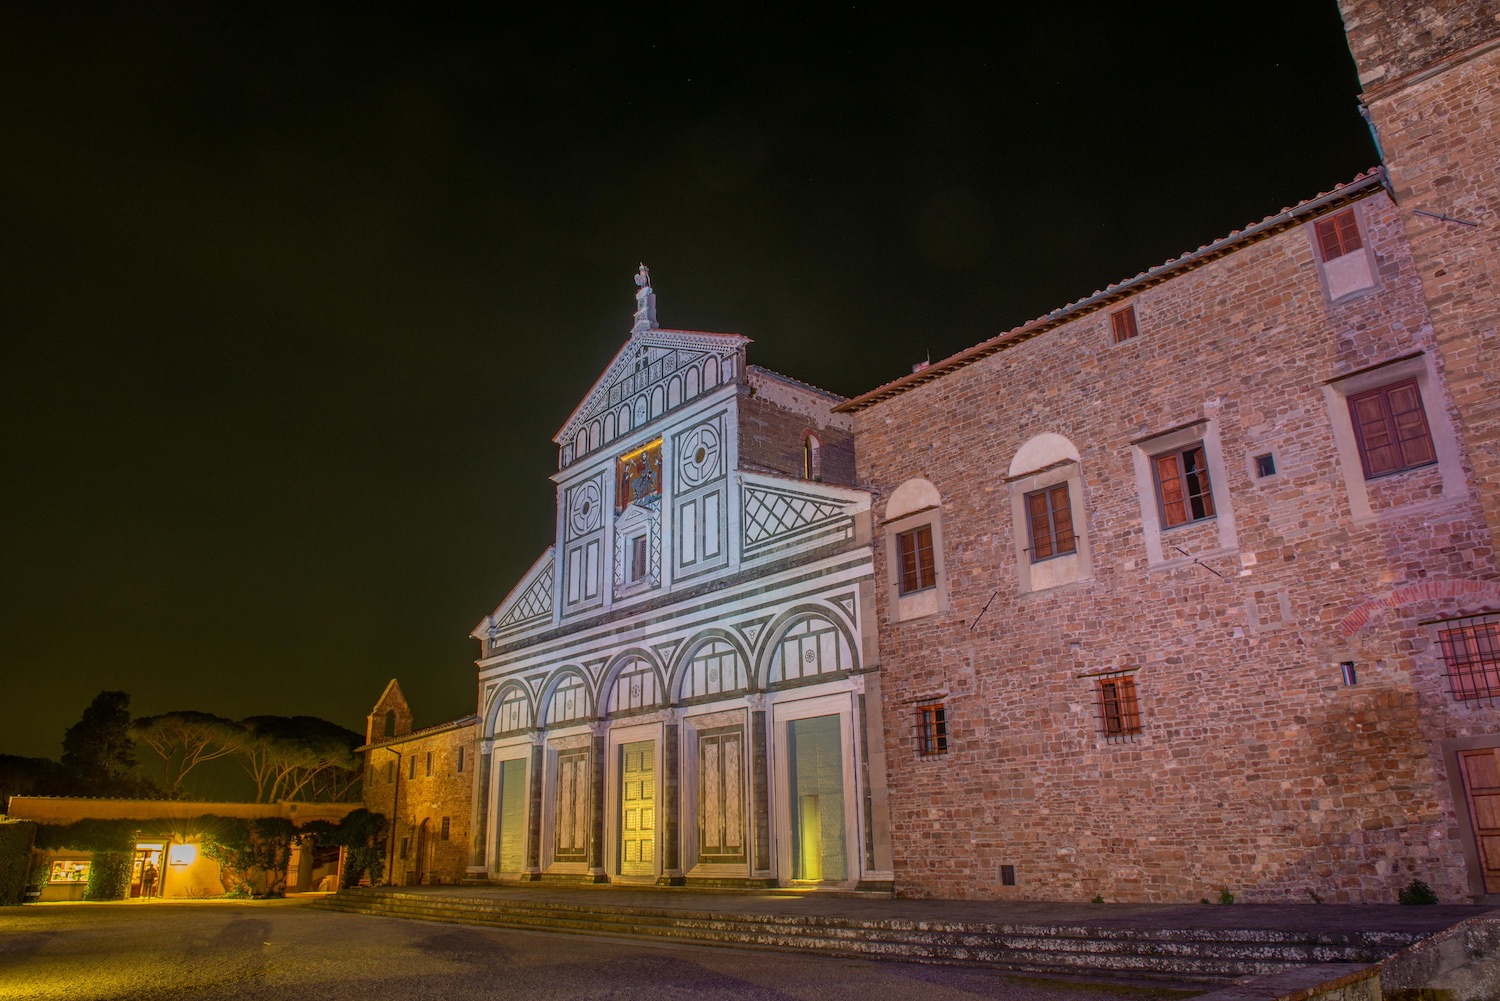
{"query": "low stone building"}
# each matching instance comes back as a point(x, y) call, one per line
point(168, 843)
point(423, 782)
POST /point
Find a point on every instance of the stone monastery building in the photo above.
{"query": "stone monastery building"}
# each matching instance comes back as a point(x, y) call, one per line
point(1188, 586)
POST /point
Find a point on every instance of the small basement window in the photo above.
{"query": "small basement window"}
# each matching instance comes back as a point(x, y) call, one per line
point(932, 729)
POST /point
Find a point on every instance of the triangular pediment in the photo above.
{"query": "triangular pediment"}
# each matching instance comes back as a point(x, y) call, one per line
point(656, 372)
point(529, 602)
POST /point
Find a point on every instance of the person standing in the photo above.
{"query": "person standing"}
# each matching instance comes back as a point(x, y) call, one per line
point(148, 880)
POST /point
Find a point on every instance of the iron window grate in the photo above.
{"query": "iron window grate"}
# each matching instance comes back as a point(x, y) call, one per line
point(1119, 708)
point(932, 730)
point(1471, 654)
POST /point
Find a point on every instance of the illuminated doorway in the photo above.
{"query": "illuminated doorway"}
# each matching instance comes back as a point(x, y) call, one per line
point(638, 808)
point(147, 853)
point(816, 784)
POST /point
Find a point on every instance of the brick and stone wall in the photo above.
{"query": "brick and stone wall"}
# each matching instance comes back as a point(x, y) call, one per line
point(775, 416)
point(1257, 770)
point(1431, 74)
point(424, 777)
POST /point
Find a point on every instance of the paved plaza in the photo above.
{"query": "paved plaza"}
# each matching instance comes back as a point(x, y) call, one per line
point(287, 950)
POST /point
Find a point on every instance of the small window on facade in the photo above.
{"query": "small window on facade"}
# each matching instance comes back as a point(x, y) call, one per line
point(443, 834)
point(429, 762)
point(1338, 235)
point(1391, 429)
point(1049, 517)
point(1265, 465)
point(411, 767)
point(1119, 712)
point(460, 759)
point(932, 730)
point(390, 770)
point(390, 723)
point(638, 564)
point(810, 449)
point(914, 552)
point(1471, 651)
point(1122, 323)
point(1182, 486)
point(405, 846)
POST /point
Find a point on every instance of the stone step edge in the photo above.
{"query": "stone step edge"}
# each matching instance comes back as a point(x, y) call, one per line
point(1198, 968)
point(1374, 938)
point(1291, 953)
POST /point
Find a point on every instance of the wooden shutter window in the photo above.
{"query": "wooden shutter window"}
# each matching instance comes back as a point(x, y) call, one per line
point(1123, 324)
point(1391, 429)
point(914, 553)
point(1183, 487)
point(1338, 235)
point(1049, 513)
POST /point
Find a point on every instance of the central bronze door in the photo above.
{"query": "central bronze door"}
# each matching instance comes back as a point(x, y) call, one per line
point(638, 808)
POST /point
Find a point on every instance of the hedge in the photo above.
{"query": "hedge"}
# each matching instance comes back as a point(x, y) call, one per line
point(15, 858)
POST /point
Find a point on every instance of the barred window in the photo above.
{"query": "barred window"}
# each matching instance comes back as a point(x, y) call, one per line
point(1119, 710)
point(444, 835)
point(1471, 651)
point(932, 729)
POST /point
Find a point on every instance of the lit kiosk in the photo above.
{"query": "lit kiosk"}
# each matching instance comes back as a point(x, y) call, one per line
point(683, 688)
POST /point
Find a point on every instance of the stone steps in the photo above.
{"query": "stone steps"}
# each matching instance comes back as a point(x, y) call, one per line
point(1159, 954)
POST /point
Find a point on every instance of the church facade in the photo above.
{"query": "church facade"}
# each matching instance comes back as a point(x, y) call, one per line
point(684, 688)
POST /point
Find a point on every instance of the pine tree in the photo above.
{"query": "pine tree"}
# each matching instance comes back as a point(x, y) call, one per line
point(98, 751)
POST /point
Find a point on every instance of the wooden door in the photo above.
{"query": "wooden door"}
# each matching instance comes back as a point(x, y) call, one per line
point(1481, 774)
point(638, 808)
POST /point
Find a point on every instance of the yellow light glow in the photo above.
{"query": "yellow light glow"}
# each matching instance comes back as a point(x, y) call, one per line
point(182, 854)
point(640, 451)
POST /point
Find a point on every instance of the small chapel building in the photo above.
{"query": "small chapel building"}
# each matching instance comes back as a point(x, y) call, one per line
point(684, 687)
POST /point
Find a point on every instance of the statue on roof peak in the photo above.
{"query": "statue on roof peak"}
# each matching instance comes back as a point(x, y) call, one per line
point(645, 302)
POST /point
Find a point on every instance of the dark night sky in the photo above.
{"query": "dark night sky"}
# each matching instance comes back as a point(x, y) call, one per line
point(294, 299)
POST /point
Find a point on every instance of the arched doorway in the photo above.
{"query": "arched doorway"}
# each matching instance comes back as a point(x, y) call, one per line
point(422, 842)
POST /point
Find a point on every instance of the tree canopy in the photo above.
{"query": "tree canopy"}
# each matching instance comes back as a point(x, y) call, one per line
point(185, 739)
point(98, 756)
point(299, 756)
